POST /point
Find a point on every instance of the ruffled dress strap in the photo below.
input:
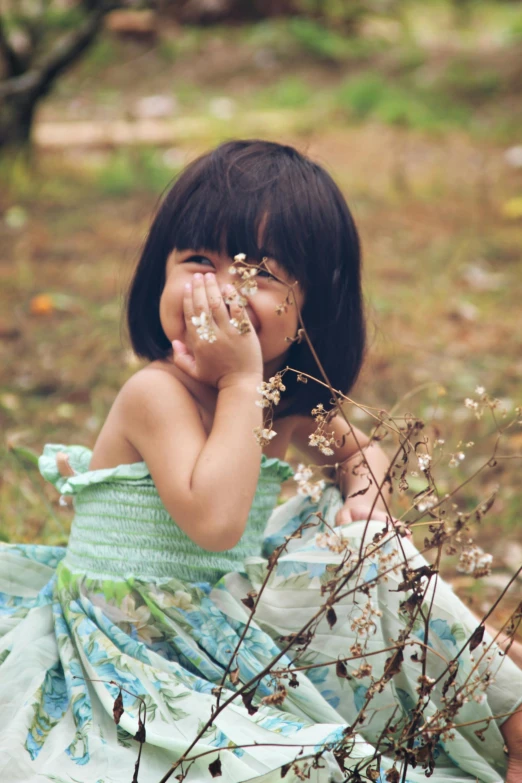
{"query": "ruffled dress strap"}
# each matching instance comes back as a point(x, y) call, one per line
point(58, 459)
point(280, 470)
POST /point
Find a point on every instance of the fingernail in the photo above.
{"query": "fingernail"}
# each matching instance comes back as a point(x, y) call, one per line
point(209, 276)
point(188, 286)
point(198, 276)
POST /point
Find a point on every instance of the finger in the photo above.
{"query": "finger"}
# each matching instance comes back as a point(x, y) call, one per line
point(236, 310)
point(215, 300)
point(188, 307)
point(199, 295)
point(182, 358)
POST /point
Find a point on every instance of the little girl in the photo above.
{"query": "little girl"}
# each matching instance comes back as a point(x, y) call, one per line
point(145, 617)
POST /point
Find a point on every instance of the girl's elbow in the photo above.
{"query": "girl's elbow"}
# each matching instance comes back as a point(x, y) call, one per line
point(219, 537)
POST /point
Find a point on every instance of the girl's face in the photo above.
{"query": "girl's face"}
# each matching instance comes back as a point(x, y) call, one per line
point(270, 327)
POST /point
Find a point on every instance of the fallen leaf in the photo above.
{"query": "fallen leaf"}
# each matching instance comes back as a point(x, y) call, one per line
point(117, 708)
point(41, 305)
point(215, 768)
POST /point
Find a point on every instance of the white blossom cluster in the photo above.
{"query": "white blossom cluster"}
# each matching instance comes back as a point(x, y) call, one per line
point(270, 391)
point(264, 435)
point(427, 503)
point(246, 273)
point(364, 670)
point(242, 326)
point(456, 458)
point(485, 401)
point(334, 543)
point(473, 560)
point(205, 328)
point(318, 438)
point(424, 461)
point(307, 488)
point(364, 624)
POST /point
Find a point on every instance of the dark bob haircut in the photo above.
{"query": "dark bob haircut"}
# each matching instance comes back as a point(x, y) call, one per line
point(219, 203)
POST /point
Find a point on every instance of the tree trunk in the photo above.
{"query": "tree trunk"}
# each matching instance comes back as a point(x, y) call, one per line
point(16, 120)
point(26, 83)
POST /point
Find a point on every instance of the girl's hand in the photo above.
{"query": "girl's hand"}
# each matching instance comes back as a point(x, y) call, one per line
point(354, 512)
point(228, 359)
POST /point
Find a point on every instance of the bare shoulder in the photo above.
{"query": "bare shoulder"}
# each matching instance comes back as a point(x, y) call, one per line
point(151, 386)
point(150, 397)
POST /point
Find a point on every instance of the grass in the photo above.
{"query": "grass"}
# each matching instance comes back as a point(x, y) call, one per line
point(417, 71)
point(130, 170)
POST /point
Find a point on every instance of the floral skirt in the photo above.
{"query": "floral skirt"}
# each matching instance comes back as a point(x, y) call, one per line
point(76, 652)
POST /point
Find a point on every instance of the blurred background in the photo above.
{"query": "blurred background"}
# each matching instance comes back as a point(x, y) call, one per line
point(415, 109)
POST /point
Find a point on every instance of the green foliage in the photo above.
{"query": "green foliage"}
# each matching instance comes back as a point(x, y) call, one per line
point(318, 41)
point(289, 93)
point(62, 19)
point(298, 37)
point(515, 30)
point(52, 19)
point(167, 50)
point(102, 54)
point(370, 96)
point(348, 14)
point(25, 455)
point(465, 79)
point(187, 42)
point(130, 170)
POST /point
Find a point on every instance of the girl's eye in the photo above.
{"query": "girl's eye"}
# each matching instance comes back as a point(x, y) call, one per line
point(198, 259)
point(265, 273)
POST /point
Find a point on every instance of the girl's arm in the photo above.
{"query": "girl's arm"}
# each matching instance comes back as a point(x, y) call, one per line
point(512, 732)
point(207, 484)
point(353, 475)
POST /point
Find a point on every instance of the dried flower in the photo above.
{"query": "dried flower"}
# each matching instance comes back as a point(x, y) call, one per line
point(473, 560)
point(364, 623)
point(424, 461)
point(322, 442)
point(319, 438)
point(270, 391)
point(456, 458)
point(264, 436)
point(425, 684)
point(242, 326)
point(277, 697)
point(205, 329)
point(307, 488)
point(364, 670)
point(427, 502)
point(332, 542)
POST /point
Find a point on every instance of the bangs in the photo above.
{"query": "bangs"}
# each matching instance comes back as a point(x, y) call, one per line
point(264, 199)
point(244, 204)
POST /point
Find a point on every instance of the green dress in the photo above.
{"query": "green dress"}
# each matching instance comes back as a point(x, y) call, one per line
point(133, 603)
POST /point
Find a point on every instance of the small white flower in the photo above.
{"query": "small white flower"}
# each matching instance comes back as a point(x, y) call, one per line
point(264, 436)
point(303, 473)
point(424, 461)
point(205, 329)
point(480, 390)
point(427, 503)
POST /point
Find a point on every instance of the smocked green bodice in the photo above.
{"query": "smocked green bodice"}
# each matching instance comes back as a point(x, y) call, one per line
point(122, 529)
